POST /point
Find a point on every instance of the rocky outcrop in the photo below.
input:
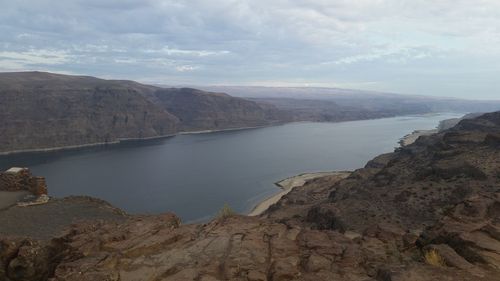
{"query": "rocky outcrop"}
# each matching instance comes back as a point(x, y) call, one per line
point(21, 179)
point(450, 123)
point(25, 259)
point(468, 236)
point(442, 191)
point(43, 110)
point(414, 186)
point(234, 248)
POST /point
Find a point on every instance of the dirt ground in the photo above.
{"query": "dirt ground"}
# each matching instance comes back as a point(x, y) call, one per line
point(51, 219)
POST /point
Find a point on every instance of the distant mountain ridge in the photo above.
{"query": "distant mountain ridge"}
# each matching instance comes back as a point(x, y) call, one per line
point(41, 111)
point(44, 110)
point(199, 110)
point(368, 100)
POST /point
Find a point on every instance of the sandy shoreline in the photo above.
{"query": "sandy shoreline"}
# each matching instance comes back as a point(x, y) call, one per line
point(286, 186)
point(228, 129)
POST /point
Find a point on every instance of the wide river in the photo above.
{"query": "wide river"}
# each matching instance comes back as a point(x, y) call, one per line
point(195, 175)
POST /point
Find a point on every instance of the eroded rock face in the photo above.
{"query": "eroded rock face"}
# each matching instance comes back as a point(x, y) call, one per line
point(44, 110)
point(199, 110)
point(22, 179)
point(26, 259)
point(469, 232)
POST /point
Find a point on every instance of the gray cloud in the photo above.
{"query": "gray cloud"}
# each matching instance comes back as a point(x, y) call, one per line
point(445, 47)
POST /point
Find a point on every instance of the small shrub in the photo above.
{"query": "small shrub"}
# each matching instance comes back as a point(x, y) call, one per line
point(225, 212)
point(432, 257)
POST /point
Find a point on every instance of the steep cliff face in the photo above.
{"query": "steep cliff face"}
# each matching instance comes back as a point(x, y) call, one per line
point(41, 110)
point(198, 110)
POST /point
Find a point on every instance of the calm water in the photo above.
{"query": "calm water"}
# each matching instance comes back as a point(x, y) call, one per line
point(194, 175)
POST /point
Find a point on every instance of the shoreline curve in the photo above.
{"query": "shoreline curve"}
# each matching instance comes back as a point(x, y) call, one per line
point(287, 185)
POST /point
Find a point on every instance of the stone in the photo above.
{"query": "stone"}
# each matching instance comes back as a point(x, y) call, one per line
point(17, 179)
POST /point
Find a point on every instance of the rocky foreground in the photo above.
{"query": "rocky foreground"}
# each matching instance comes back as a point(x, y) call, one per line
point(428, 211)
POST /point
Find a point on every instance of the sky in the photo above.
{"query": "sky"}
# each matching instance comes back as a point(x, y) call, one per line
point(424, 47)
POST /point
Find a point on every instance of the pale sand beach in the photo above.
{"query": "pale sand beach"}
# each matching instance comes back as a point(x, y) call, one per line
point(287, 185)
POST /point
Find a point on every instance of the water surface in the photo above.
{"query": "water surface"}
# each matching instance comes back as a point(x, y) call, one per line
point(194, 175)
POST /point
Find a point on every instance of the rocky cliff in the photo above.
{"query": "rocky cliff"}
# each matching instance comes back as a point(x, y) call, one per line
point(199, 110)
point(43, 110)
point(428, 211)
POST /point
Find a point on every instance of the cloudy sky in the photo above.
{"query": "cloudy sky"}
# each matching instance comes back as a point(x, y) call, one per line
point(428, 47)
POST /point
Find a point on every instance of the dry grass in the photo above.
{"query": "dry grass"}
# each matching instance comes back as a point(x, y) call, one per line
point(225, 212)
point(432, 257)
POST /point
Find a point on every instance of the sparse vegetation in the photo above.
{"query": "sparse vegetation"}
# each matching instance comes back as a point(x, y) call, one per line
point(432, 257)
point(225, 212)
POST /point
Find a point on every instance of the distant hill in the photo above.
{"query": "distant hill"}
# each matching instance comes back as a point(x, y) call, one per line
point(325, 110)
point(199, 110)
point(368, 100)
